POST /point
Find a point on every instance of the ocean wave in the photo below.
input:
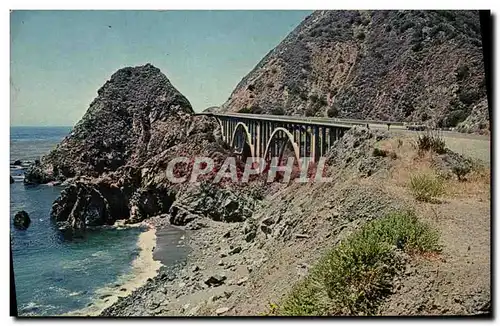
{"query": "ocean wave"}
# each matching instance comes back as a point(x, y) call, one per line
point(34, 308)
point(101, 254)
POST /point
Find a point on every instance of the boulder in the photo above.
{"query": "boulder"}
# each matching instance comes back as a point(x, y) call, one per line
point(215, 280)
point(38, 174)
point(84, 204)
point(22, 220)
point(11, 180)
point(212, 201)
point(17, 162)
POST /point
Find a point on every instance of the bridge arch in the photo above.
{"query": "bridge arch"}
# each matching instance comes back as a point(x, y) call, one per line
point(290, 139)
point(221, 128)
point(246, 133)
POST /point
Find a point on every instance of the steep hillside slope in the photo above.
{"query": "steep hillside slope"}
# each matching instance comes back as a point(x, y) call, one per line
point(390, 65)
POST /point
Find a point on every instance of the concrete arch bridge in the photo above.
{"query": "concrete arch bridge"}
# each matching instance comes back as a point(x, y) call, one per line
point(267, 136)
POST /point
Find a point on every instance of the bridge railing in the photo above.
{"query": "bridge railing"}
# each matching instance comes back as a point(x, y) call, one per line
point(302, 119)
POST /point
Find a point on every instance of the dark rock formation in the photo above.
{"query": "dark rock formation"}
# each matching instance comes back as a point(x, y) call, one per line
point(135, 112)
point(117, 156)
point(22, 220)
point(11, 180)
point(17, 162)
point(414, 66)
point(38, 173)
point(212, 201)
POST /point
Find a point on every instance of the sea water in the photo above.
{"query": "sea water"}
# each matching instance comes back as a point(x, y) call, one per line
point(53, 275)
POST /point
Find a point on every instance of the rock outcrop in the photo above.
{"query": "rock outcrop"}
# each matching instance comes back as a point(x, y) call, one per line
point(115, 159)
point(22, 220)
point(136, 114)
point(413, 66)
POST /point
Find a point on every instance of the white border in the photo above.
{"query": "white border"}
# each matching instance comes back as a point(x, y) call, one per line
point(185, 4)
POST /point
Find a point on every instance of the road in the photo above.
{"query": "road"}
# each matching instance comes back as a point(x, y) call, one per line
point(471, 145)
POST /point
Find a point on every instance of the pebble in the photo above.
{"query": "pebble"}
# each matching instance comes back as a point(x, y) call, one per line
point(222, 310)
point(242, 281)
point(235, 250)
point(215, 280)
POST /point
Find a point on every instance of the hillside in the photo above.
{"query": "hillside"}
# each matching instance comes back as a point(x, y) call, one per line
point(391, 65)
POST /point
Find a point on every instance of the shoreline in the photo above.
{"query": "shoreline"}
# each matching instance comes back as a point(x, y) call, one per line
point(144, 267)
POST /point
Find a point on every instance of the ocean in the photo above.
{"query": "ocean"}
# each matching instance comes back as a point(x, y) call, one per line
point(52, 275)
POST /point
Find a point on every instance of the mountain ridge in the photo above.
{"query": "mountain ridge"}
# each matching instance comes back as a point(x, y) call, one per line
point(411, 66)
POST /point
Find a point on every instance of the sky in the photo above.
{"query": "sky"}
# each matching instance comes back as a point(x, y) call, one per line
point(59, 59)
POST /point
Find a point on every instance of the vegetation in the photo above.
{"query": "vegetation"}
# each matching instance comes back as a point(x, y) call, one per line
point(431, 141)
point(461, 170)
point(278, 111)
point(425, 187)
point(310, 111)
point(353, 277)
point(377, 152)
point(254, 109)
point(332, 112)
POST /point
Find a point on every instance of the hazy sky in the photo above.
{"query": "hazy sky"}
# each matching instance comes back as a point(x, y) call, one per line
point(60, 58)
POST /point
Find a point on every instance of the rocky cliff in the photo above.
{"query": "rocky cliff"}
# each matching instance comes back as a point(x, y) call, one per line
point(114, 160)
point(135, 113)
point(391, 65)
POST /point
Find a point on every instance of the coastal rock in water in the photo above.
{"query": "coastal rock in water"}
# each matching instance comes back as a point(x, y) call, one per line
point(84, 204)
point(22, 220)
point(117, 155)
point(11, 180)
point(135, 107)
point(38, 173)
point(17, 162)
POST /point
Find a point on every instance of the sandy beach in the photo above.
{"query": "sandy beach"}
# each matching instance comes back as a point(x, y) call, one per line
point(143, 268)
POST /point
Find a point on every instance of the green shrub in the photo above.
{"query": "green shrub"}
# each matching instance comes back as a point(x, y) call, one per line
point(431, 141)
point(354, 277)
point(332, 112)
point(468, 97)
point(245, 110)
point(310, 112)
point(461, 170)
point(462, 72)
point(314, 98)
point(277, 111)
point(377, 152)
point(454, 118)
point(425, 187)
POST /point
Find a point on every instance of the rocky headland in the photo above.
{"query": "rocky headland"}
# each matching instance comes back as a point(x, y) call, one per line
point(114, 160)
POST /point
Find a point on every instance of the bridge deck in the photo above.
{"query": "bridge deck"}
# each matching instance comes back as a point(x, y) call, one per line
point(313, 121)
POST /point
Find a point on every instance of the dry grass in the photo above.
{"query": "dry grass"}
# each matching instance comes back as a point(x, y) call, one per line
point(426, 186)
point(476, 184)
